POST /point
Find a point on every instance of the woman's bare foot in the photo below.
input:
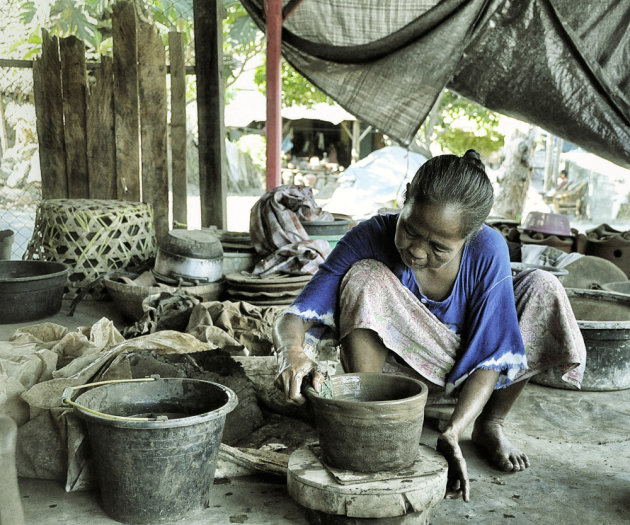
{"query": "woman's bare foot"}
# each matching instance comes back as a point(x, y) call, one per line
point(489, 435)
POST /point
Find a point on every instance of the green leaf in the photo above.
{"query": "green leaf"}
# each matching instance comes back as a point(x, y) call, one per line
point(35, 38)
point(243, 30)
point(27, 12)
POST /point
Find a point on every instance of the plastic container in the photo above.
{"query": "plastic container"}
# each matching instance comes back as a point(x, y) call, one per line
point(372, 423)
point(335, 227)
point(549, 223)
point(604, 321)
point(154, 444)
point(332, 239)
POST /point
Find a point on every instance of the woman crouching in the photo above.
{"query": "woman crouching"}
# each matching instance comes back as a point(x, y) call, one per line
point(429, 292)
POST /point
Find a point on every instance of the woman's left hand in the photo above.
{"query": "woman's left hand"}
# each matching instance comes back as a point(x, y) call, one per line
point(458, 483)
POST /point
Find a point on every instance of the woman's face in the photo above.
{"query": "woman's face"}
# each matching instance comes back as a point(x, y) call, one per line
point(428, 236)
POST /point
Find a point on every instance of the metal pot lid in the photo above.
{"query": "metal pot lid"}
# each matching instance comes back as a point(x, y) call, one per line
point(200, 244)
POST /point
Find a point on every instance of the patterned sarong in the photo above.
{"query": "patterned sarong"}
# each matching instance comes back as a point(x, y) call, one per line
point(371, 297)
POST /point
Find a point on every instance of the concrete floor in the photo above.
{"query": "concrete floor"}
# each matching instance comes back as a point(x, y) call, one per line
point(577, 443)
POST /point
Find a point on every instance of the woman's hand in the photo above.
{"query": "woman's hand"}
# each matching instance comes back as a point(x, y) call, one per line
point(293, 366)
point(458, 483)
point(473, 397)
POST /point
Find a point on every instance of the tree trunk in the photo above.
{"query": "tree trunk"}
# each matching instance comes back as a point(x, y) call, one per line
point(422, 142)
point(517, 171)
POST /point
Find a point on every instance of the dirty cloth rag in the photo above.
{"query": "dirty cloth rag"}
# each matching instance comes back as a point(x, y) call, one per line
point(278, 235)
point(47, 352)
point(373, 298)
point(238, 327)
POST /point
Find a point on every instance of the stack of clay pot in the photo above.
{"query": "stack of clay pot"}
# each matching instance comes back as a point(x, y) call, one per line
point(506, 227)
point(549, 229)
point(610, 244)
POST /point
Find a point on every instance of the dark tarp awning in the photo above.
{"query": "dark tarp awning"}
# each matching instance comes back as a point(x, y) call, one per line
point(563, 65)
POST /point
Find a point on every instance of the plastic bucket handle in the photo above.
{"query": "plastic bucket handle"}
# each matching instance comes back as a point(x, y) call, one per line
point(68, 392)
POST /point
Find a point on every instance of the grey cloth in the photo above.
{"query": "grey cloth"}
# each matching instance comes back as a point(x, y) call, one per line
point(278, 235)
point(563, 65)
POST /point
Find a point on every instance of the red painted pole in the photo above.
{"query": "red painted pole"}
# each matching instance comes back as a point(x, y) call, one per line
point(273, 14)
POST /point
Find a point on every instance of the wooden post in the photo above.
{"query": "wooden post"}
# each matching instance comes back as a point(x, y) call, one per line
point(152, 89)
point(101, 139)
point(273, 15)
point(49, 111)
point(549, 182)
point(178, 129)
point(556, 160)
point(74, 89)
point(209, 72)
point(356, 141)
point(4, 141)
point(126, 119)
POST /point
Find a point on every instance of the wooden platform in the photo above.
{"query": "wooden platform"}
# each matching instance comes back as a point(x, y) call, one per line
point(350, 497)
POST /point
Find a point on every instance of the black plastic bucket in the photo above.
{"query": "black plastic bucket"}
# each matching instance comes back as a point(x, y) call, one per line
point(149, 469)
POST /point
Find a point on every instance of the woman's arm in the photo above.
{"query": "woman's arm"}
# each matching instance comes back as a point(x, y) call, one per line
point(293, 363)
point(473, 397)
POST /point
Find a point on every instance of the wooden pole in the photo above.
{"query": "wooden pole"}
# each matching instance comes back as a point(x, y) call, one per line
point(178, 129)
point(74, 83)
point(356, 141)
point(548, 180)
point(273, 15)
point(126, 112)
point(4, 142)
point(153, 132)
point(49, 111)
point(211, 129)
point(556, 160)
point(101, 140)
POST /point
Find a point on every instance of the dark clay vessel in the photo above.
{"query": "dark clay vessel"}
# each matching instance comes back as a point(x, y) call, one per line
point(373, 422)
point(604, 321)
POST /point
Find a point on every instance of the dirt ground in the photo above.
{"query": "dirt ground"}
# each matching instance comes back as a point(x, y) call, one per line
point(577, 443)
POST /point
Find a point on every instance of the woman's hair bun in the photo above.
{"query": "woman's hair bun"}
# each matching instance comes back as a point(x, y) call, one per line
point(473, 157)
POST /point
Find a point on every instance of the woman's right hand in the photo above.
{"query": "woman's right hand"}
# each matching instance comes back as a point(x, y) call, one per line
point(458, 483)
point(293, 366)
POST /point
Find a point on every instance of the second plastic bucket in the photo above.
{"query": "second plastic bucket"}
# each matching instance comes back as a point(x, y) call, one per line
point(154, 445)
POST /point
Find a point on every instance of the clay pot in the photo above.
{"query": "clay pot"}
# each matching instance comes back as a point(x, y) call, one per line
point(372, 423)
point(610, 244)
point(561, 243)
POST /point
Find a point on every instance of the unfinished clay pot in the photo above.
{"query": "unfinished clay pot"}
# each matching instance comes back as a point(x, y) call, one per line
point(372, 422)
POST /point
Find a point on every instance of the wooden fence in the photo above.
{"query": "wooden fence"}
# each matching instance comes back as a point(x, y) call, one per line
point(103, 129)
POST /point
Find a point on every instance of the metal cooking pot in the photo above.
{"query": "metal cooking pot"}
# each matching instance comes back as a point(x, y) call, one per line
point(175, 267)
point(195, 256)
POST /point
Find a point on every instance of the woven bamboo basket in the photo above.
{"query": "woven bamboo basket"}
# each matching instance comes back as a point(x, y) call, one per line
point(93, 236)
